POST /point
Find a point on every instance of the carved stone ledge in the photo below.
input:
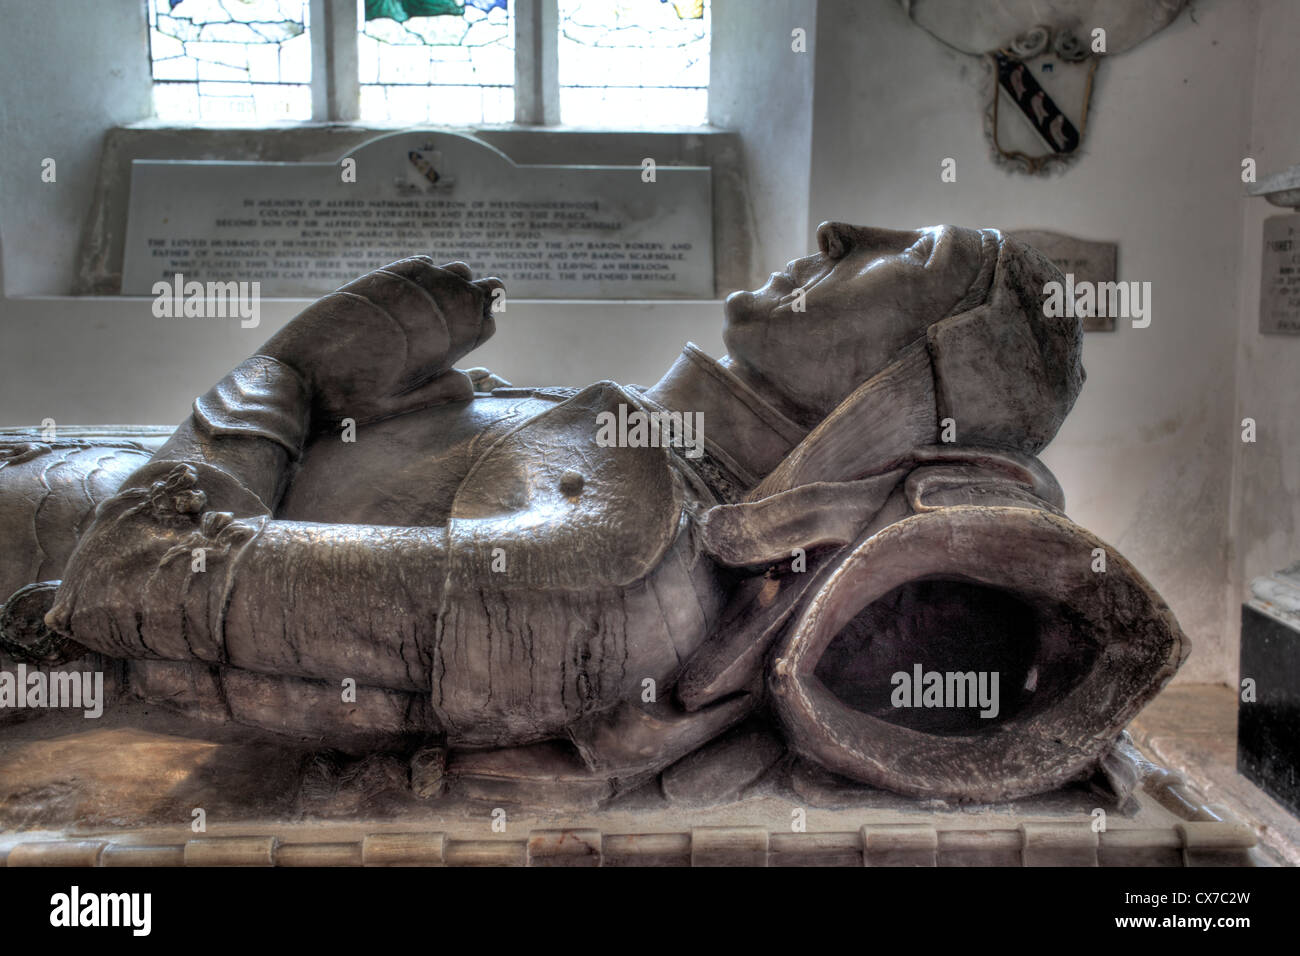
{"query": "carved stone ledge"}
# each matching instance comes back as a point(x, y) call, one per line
point(1168, 825)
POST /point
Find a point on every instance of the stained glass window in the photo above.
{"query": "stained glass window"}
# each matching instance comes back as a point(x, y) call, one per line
point(621, 63)
point(237, 62)
point(644, 62)
point(436, 61)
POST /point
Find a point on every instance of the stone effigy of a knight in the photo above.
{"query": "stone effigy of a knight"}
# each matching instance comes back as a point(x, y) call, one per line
point(594, 583)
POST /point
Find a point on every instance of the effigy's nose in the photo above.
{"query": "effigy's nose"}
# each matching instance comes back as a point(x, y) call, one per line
point(834, 239)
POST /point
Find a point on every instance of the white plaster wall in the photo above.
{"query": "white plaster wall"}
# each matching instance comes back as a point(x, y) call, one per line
point(1146, 456)
point(65, 81)
point(1266, 529)
point(760, 87)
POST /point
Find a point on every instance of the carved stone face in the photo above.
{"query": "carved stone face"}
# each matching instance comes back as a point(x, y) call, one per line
point(867, 293)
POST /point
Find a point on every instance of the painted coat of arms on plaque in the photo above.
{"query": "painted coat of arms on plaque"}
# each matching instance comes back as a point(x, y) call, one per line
point(1038, 109)
point(1041, 59)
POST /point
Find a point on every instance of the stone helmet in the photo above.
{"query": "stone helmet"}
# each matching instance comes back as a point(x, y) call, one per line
point(1004, 371)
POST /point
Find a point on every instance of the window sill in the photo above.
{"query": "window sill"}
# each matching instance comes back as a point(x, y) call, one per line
point(203, 129)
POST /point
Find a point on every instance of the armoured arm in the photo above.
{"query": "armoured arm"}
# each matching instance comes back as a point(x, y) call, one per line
point(186, 562)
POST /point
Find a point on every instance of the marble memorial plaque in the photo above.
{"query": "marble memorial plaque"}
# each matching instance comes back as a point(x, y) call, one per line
point(1279, 286)
point(1086, 260)
point(307, 228)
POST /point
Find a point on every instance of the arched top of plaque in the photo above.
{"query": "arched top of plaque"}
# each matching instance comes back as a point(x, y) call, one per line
point(422, 161)
point(1040, 57)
